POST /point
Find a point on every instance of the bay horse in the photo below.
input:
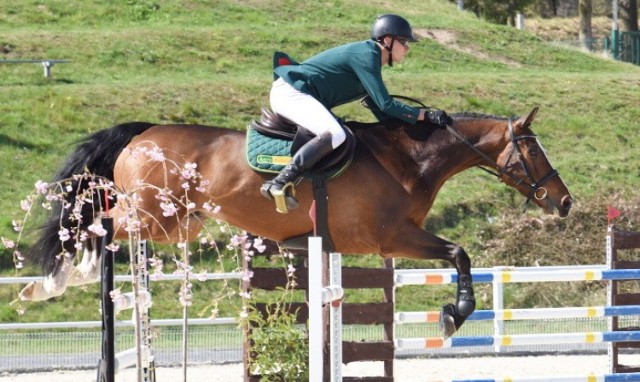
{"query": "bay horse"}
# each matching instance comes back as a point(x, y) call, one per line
point(378, 205)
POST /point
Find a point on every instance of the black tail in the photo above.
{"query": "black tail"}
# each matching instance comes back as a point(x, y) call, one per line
point(95, 154)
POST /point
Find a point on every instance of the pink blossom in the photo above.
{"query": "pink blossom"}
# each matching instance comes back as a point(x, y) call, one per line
point(258, 244)
point(64, 234)
point(8, 243)
point(113, 247)
point(156, 154)
point(17, 225)
point(25, 204)
point(168, 208)
point(42, 187)
point(247, 275)
point(97, 229)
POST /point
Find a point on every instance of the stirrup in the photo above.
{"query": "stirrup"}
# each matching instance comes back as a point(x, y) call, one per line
point(284, 201)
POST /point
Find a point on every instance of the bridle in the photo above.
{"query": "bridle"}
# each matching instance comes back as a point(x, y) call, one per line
point(536, 187)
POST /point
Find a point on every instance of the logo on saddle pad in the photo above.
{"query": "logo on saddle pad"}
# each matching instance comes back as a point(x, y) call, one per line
point(264, 159)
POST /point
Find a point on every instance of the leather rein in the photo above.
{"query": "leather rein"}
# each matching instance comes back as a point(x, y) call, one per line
point(535, 186)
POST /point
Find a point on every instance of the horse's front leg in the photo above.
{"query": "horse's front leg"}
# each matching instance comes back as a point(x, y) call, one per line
point(413, 242)
point(453, 316)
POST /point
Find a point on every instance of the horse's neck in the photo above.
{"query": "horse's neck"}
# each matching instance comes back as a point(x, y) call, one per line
point(429, 162)
point(387, 147)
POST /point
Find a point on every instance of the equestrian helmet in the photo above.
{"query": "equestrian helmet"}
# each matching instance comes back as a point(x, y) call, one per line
point(392, 25)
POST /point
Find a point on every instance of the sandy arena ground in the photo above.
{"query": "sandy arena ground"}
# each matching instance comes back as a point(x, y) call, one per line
point(406, 370)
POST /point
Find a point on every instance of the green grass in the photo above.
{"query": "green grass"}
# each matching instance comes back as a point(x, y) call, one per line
point(210, 62)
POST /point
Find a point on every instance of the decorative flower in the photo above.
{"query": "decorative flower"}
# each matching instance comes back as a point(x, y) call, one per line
point(64, 234)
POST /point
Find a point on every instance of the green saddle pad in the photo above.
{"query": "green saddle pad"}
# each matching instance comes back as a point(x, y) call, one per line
point(267, 154)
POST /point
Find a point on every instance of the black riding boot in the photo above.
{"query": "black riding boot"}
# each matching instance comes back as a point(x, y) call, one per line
point(307, 156)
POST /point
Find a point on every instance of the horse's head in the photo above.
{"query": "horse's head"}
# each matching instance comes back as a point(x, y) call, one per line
point(524, 165)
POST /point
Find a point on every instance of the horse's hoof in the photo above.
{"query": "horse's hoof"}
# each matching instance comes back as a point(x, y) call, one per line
point(447, 322)
point(465, 307)
point(26, 294)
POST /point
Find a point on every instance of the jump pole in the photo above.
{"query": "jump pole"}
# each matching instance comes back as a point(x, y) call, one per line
point(106, 365)
point(319, 295)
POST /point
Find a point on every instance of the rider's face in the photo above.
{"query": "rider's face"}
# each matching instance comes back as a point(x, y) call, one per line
point(400, 48)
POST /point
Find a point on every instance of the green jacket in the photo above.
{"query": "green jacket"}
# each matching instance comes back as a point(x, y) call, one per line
point(344, 74)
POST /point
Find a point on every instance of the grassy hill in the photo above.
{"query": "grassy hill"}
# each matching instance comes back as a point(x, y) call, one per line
point(209, 62)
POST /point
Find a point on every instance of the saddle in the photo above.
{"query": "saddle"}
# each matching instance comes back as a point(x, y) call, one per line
point(273, 140)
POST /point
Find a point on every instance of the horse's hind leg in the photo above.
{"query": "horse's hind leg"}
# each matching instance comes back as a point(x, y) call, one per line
point(52, 285)
point(88, 271)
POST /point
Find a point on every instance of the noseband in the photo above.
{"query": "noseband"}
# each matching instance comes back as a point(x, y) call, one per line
point(536, 187)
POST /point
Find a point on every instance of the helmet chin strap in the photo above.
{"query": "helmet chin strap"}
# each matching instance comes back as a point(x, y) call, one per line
point(390, 50)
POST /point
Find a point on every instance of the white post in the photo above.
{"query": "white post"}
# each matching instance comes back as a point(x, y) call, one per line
point(520, 21)
point(318, 296)
point(609, 252)
point(315, 309)
point(335, 280)
point(460, 5)
point(498, 304)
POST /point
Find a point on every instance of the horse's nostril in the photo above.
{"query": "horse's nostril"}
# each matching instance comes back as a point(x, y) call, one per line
point(567, 202)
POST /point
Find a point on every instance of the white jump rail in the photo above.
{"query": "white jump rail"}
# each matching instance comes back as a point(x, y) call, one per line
point(525, 314)
point(620, 377)
point(517, 276)
point(320, 295)
point(518, 339)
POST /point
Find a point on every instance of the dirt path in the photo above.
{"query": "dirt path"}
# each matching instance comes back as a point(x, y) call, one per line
point(406, 370)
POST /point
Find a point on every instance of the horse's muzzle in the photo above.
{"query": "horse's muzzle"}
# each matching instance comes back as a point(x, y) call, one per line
point(565, 206)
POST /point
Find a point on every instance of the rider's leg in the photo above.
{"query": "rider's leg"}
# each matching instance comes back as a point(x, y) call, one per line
point(308, 155)
point(308, 112)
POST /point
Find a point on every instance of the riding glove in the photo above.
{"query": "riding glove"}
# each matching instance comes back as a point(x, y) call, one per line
point(439, 118)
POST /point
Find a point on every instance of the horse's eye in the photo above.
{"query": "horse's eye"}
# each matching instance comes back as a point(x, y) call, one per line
point(533, 152)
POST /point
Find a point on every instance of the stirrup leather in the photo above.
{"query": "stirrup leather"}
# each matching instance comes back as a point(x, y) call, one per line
point(280, 196)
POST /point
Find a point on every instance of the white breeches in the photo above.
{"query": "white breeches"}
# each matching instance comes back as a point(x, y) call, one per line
point(305, 111)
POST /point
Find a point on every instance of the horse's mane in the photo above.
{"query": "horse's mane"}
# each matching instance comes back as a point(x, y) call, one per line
point(417, 132)
point(471, 115)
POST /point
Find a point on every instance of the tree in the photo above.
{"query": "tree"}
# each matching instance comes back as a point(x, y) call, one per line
point(585, 34)
point(497, 11)
point(628, 15)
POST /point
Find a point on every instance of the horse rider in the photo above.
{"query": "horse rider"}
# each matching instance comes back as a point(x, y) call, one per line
point(305, 93)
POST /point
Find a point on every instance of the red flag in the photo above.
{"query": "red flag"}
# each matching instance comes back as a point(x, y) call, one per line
point(612, 213)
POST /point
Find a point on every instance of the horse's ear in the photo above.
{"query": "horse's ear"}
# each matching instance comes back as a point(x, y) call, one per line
point(526, 121)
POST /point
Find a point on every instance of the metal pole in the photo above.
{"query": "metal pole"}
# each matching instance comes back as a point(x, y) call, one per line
point(461, 5)
point(106, 366)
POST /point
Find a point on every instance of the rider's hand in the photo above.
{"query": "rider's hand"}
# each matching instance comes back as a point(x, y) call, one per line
point(438, 118)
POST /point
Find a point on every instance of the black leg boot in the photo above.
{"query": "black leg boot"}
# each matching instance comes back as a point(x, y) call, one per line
point(281, 188)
